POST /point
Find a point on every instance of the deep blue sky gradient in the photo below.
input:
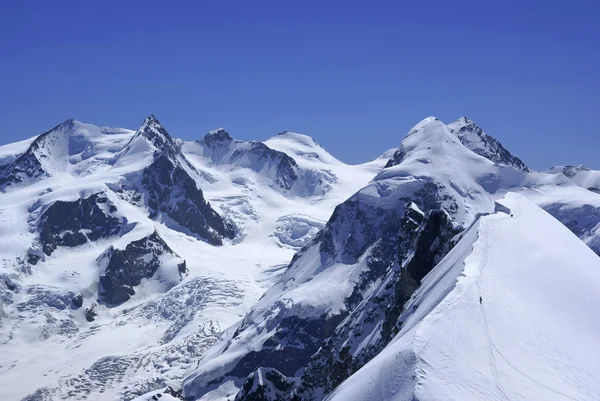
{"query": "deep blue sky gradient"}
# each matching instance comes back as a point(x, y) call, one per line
point(354, 75)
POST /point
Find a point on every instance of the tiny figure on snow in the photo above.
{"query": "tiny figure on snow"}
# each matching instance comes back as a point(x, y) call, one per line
point(480, 300)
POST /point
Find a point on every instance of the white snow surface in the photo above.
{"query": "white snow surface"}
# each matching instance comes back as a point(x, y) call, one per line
point(532, 336)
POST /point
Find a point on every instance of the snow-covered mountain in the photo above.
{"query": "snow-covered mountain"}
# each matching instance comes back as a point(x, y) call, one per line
point(133, 263)
point(341, 299)
point(125, 254)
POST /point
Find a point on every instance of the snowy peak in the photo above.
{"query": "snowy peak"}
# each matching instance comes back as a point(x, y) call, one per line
point(53, 144)
point(431, 139)
point(66, 148)
point(149, 142)
point(217, 136)
point(483, 144)
point(428, 141)
point(303, 148)
point(74, 140)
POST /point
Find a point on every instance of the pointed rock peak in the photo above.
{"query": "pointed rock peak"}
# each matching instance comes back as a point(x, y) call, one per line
point(465, 123)
point(62, 127)
point(149, 142)
point(57, 136)
point(151, 119)
point(153, 132)
point(67, 124)
point(473, 137)
point(152, 127)
point(218, 135)
point(466, 120)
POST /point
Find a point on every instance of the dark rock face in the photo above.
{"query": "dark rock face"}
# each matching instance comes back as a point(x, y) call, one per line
point(397, 242)
point(356, 225)
point(33, 258)
point(10, 284)
point(75, 223)
point(77, 301)
point(170, 190)
point(489, 147)
point(379, 315)
point(395, 159)
point(90, 313)
point(291, 347)
point(217, 143)
point(26, 166)
point(126, 268)
point(265, 384)
point(402, 249)
point(262, 155)
point(155, 133)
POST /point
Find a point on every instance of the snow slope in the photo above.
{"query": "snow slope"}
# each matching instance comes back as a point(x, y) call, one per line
point(12, 151)
point(528, 339)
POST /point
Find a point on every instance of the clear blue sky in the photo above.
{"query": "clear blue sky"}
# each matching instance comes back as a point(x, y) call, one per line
point(354, 75)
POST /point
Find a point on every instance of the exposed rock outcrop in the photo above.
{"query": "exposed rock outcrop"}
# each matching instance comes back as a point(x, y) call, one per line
point(125, 269)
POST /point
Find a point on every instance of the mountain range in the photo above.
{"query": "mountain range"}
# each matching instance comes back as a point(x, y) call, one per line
point(134, 265)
